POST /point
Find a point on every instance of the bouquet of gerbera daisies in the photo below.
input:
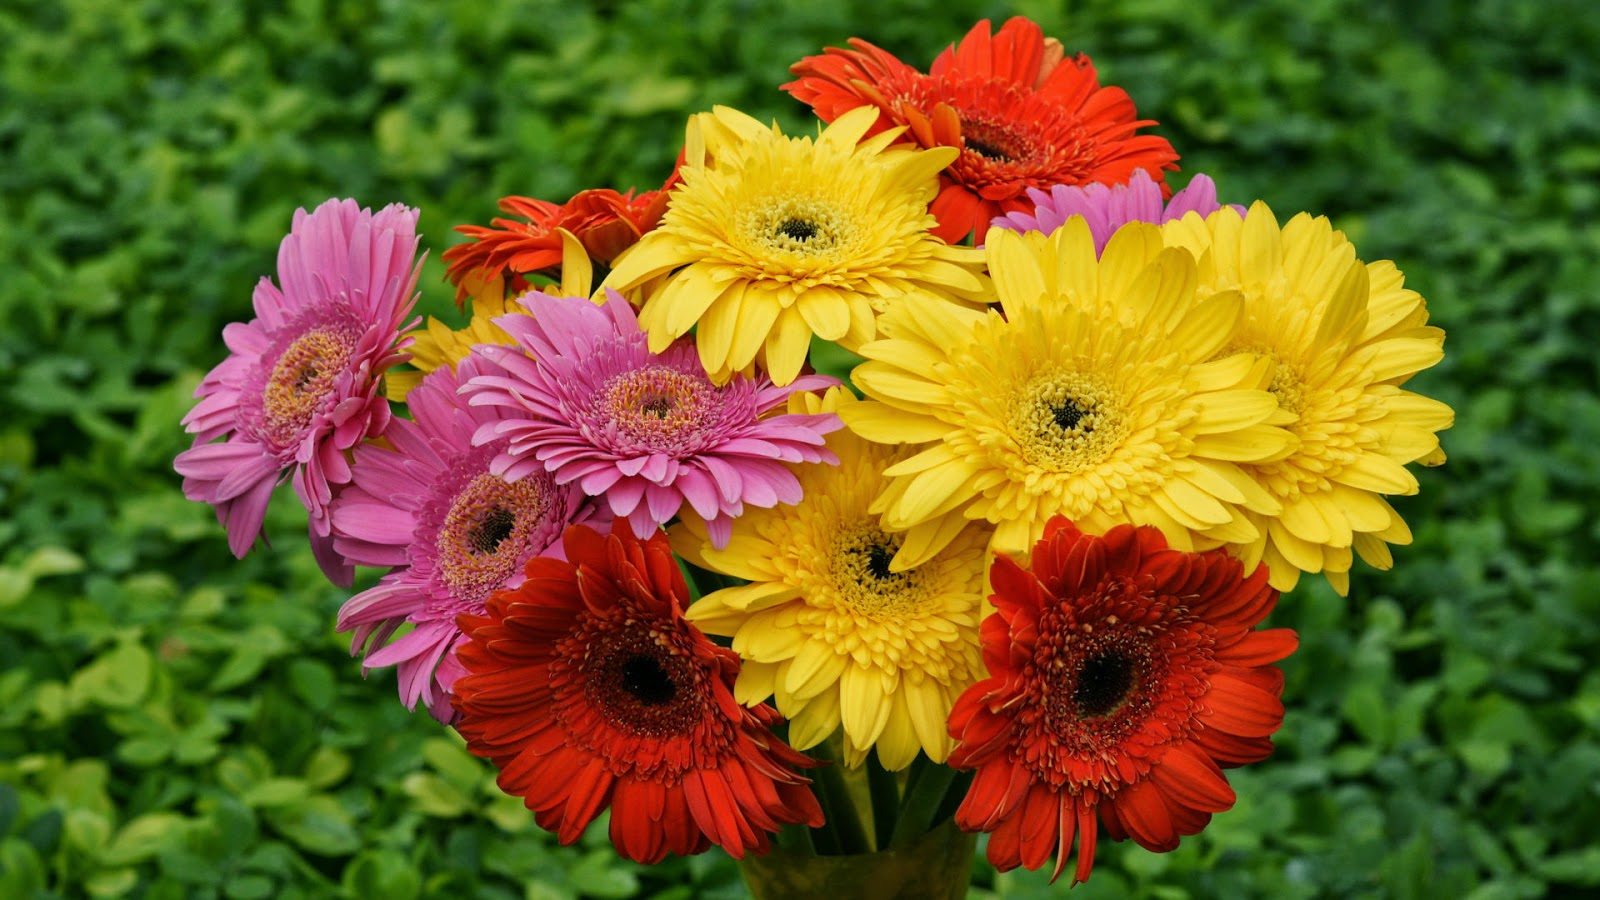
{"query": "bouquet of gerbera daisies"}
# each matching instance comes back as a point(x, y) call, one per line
point(647, 549)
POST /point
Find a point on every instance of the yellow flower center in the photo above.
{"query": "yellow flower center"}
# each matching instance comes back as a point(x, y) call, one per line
point(797, 231)
point(657, 405)
point(485, 532)
point(1067, 421)
point(302, 377)
point(862, 579)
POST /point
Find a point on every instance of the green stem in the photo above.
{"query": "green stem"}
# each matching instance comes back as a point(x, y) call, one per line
point(922, 801)
point(843, 821)
point(953, 795)
point(796, 839)
point(825, 840)
point(884, 787)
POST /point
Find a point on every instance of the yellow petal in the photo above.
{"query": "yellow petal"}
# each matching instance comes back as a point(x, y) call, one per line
point(882, 380)
point(863, 709)
point(898, 745)
point(787, 344)
point(1222, 411)
point(816, 667)
point(755, 683)
point(826, 312)
point(1379, 474)
point(923, 541)
point(812, 723)
point(929, 706)
point(885, 424)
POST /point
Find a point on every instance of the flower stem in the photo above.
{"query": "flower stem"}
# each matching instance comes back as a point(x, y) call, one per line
point(884, 787)
point(924, 795)
point(843, 822)
point(796, 839)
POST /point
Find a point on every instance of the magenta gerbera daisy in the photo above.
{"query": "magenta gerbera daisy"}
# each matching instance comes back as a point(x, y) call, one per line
point(648, 431)
point(302, 384)
point(452, 531)
point(1108, 208)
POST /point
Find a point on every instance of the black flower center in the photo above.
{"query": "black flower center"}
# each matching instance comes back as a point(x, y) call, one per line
point(797, 229)
point(1103, 684)
point(657, 406)
point(987, 150)
point(645, 680)
point(1068, 414)
point(494, 527)
point(878, 561)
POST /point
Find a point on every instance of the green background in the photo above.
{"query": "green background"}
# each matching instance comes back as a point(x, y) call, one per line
point(175, 723)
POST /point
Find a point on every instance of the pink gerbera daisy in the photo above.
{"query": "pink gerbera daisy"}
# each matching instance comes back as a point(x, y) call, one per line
point(302, 384)
point(1108, 208)
point(453, 531)
point(648, 431)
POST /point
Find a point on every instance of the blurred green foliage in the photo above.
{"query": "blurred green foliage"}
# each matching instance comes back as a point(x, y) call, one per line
point(175, 723)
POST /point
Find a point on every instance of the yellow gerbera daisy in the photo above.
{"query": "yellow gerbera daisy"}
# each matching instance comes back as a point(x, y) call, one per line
point(1342, 336)
point(826, 628)
point(775, 239)
point(437, 344)
point(1097, 395)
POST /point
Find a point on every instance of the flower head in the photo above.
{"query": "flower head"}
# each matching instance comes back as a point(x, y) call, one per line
point(1123, 675)
point(428, 506)
point(588, 689)
point(1340, 337)
point(843, 622)
point(1108, 208)
point(605, 221)
point(1020, 116)
point(301, 387)
point(772, 239)
point(1096, 394)
point(648, 431)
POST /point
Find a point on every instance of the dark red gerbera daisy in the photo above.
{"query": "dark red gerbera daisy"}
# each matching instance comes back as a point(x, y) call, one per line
point(1124, 676)
point(605, 221)
point(588, 689)
point(1021, 116)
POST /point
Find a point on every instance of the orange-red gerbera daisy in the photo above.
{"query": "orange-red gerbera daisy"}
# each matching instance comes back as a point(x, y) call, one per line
point(605, 221)
point(588, 689)
point(1124, 676)
point(1021, 116)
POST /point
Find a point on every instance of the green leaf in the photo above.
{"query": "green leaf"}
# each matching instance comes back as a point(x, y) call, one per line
point(1580, 867)
point(9, 805)
point(327, 767)
point(317, 825)
point(433, 796)
point(600, 874)
point(118, 679)
point(249, 887)
point(21, 873)
point(381, 873)
point(111, 882)
point(277, 792)
point(451, 760)
point(145, 837)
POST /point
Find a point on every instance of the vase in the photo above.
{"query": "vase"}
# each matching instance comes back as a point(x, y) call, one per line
point(936, 866)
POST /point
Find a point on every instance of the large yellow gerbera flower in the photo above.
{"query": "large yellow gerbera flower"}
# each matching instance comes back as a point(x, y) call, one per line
point(827, 628)
point(775, 239)
point(1342, 336)
point(1097, 395)
point(437, 344)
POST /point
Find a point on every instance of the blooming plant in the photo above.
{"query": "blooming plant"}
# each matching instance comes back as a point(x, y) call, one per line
point(1005, 574)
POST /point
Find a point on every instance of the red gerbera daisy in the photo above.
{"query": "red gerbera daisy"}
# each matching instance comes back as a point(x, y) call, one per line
point(1124, 676)
point(587, 688)
point(1021, 117)
point(605, 221)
